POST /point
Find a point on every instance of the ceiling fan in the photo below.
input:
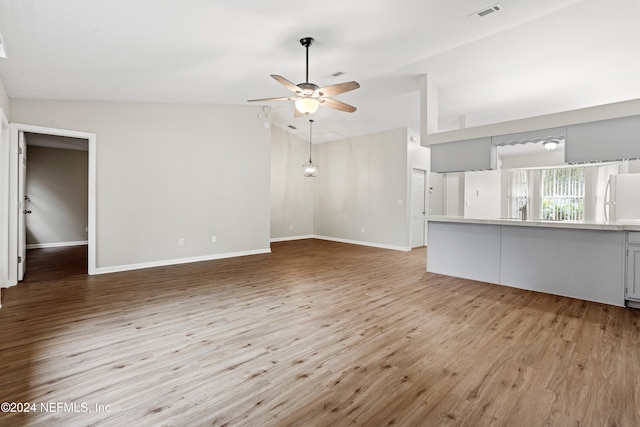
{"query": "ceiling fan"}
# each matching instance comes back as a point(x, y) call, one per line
point(309, 96)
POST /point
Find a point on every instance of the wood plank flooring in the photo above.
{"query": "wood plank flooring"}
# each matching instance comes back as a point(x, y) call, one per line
point(316, 333)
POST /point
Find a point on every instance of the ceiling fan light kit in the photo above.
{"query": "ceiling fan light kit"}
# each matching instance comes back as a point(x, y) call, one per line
point(307, 105)
point(309, 96)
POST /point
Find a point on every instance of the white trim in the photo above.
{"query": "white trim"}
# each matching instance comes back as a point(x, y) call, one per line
point(16, 128)
point(337, 239)
point(56, 244)
point(286, 239)
point(357, 242)
point(164, 263)
point(12, 252)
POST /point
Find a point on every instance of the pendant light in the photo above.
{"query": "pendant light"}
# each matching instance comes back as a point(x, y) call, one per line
point(309, 169)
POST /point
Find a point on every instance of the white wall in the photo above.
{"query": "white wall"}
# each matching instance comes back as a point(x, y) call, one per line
point(418, 156)
point(482, 194)
point(4, 185)
point(454, 193)
point(363, 185)
point(634, 166)
point(57, 187)
point(5, 103)
point(291, 192)
point(547, 158)
point(167, 172)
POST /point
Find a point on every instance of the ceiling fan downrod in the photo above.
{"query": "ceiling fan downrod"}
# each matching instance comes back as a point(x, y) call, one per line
point(306, 42)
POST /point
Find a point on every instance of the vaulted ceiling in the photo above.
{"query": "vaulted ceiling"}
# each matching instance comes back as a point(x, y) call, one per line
point(530, 58)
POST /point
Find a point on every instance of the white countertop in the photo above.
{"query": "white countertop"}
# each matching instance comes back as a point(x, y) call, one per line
point(624, 225)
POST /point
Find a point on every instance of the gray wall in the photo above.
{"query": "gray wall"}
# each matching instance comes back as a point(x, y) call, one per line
point(291, 192)
point(58, 196)
point(363, 184)
point(167, 172)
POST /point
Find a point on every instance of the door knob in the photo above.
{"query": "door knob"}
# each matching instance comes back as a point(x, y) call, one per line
point(27, 211)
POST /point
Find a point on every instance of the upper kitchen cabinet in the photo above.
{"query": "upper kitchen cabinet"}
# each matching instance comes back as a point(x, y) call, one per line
point(466, 155)
point(604, 140)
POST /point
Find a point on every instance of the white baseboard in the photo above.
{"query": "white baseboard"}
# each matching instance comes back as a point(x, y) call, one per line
point(56, 244)
point(337, 239)
point(361, 243)
point(286, 239)
point(163, 263)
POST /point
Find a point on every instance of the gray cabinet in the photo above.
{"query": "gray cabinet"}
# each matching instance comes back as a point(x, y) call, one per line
point(466, 155)
point(574, 262)
point(603, 140)
point(633, 267)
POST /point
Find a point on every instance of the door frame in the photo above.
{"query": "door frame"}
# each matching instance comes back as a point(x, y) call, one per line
point(426, 201)
point(4, 203)
point(22, 193)
point(15, 130)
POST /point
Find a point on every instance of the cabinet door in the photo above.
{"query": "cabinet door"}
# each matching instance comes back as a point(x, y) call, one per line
point(604, 140)
point(466, 155)
point(633, 273)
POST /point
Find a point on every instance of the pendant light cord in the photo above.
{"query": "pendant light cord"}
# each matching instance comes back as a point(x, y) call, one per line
point(310, 134)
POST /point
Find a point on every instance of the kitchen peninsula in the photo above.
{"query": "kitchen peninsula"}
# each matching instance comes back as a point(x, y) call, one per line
point(578, 259)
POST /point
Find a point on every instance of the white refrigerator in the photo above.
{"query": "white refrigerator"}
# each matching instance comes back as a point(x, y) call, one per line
point(623, 200)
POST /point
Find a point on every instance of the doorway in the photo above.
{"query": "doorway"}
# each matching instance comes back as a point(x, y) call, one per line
point(419, 202)
point(18, 207)
point(56, 193)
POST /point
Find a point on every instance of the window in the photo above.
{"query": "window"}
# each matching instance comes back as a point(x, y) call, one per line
point(550, 194)
point(562, 194)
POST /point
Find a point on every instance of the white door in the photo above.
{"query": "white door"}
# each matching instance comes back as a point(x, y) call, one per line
point(418, 207)
point(22, 206)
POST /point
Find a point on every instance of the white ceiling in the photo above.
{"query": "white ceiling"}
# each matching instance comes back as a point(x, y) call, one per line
point(531, 58)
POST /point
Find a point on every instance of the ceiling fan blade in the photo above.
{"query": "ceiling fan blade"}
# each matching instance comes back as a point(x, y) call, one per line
point(286, 83)
point(337, 89)
point(282, 98)
point(337, 105)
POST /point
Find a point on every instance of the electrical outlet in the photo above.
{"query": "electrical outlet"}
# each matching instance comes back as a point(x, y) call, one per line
point(180, 242)
point(214, 239)
point(362, 230)
point(290, 226)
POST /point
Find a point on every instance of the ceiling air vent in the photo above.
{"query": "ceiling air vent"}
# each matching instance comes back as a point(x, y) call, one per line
point(488, 11)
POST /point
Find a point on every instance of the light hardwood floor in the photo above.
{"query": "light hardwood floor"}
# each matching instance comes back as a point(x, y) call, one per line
point(314, 334)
